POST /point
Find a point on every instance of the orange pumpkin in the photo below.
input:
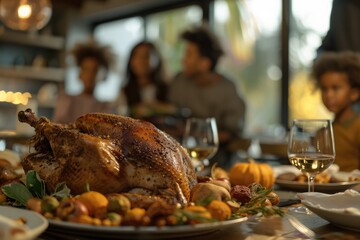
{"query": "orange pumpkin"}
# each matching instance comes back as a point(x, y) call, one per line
point(246, 173)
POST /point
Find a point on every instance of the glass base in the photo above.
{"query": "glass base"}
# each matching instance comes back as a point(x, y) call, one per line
point(200, 166)
point(300, 209)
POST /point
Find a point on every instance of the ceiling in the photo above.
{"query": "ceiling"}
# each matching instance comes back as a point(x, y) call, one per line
point(73, 3)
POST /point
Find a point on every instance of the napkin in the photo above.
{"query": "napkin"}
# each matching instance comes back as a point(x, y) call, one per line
point(343, 202)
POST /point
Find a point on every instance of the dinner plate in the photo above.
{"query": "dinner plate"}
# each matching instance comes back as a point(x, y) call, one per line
point(341, 209)
point(319, 187)
point(131, 232)
point(35, 222)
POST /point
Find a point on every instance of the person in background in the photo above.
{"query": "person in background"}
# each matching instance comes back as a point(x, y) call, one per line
point(93, 61)
point(338, 77)
point(146, 87)
point(206, 92)
point(343, 34)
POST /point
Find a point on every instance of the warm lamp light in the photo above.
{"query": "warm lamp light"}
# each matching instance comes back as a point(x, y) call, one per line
point(25, 14)
point(24, 10)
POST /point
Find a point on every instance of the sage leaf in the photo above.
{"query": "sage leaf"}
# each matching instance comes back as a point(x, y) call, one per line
point(18, 192)
point(61, 190)
point(35, 184)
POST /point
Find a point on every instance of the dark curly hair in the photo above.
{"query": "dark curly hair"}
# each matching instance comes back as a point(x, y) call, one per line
point(344, 62)
point(206, 42)
point(157, 76)
point(91, 49)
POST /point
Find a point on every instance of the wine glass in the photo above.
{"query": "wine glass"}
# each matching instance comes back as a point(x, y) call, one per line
point(311, 149)
point(201, 141)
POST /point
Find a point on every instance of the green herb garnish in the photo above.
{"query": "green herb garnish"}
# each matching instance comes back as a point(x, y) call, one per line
point(18, 192)
point(34, 187)
point(61, 191)
point(35, 184)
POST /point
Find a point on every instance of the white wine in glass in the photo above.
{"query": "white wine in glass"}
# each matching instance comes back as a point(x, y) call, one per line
point(311, 148)
point(200, 140)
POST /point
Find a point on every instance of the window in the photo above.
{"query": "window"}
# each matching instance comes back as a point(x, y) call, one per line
point(164, 29)
point(250, 33)
point(310, 22)
point(121, 35)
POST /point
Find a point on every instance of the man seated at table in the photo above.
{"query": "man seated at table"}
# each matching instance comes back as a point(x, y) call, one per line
point(207, 93)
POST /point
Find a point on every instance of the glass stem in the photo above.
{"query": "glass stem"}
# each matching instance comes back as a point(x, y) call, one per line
point(311, 182)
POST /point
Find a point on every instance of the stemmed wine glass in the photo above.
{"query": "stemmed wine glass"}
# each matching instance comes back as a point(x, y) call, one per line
point(311, 148)
point(201, 141)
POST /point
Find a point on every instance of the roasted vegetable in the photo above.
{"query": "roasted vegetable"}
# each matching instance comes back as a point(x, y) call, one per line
point(118, 203)
point(241, 193)
point(49, 204)
point(207, 192)
point(34, 204)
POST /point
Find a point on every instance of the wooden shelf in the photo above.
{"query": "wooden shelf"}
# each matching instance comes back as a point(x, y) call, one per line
point(44, 41)
point(13, 135)
point(6, 105)
point(46, 74)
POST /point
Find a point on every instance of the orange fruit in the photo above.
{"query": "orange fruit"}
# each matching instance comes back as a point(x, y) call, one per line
point(199, 211)
point(95, 202)
point(219, 210)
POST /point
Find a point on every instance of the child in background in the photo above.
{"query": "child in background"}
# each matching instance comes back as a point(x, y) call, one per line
point(92, 60)
point(338, 77)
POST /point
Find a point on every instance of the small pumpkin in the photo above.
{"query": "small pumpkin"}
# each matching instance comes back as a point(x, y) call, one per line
point(244, 173)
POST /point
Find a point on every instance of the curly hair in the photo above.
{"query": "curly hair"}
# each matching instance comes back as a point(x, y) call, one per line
point(157, 76)
point(206, 42)
point(344, 62)
point(92, 49)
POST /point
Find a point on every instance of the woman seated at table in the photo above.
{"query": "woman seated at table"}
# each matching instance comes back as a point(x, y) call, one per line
point(146, 87)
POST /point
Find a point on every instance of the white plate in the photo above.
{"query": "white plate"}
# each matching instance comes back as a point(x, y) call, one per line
point(130, 232)
point(341, 209)
point(319, 187)
point(35, 222)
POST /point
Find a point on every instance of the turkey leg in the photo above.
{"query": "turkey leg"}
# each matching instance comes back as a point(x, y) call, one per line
point(72, 157)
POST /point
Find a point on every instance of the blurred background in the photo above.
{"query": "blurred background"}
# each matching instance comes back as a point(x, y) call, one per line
point(270, 46)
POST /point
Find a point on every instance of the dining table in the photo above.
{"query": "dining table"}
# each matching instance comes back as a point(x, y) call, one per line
point(254, 228)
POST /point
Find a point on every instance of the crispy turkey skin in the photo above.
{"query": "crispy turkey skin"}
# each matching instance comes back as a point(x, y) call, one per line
point(110, 153)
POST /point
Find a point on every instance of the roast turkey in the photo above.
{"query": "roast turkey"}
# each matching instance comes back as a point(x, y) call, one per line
point(111, 154)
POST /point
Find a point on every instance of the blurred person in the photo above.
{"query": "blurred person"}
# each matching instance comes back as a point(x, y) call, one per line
point(93, 61)
point(338, 77)
point(343, 34)
point(206, 92)
point(146, 87)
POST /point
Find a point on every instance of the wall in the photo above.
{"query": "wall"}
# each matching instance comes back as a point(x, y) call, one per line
point(18, 50)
